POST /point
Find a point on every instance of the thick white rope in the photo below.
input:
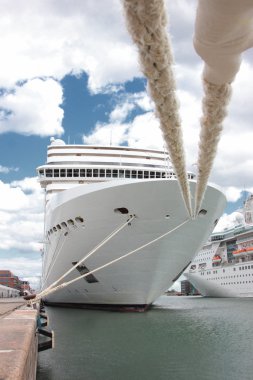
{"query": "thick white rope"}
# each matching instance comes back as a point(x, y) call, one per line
point(63, 285)
point(104, 241)
point(56, 254)
point(214, 108)
point(147, 23)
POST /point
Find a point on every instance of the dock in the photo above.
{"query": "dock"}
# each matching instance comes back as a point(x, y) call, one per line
point(18, 340)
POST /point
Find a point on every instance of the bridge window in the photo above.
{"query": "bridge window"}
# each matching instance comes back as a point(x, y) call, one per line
point(115, 173)
point(89, 172)
point(108, 173)
point(102, 173)
point(69, 172)
point(134, 173)
point(146, 174)
point(127, 174)
point(63, 172)
point(56, 172)
point(82, 172)
point(49, 172)
point(76, 172)
point(152, 174)
point(95, 172)
point(140, 174)
point(121, 173)
point(158, 174)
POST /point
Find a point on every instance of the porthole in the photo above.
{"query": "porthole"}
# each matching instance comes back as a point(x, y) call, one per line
point(70, 222)
point(79, 219)
point(202, 212)
point(64, 224)
point(58, 227)
point(55, 229)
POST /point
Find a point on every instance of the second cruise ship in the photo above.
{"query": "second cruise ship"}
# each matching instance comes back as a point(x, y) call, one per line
point(224, 266)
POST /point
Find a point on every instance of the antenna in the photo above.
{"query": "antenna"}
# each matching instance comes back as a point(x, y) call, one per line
point(111, 137)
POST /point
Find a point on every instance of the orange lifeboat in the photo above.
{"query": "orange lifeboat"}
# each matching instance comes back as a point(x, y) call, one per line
point(240, 252)
point(216, 259)
point(249, 250)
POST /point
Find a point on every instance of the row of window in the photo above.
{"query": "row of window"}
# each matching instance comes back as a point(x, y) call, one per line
point(234, 269)
point(222, 277)
point(104, 173)
point(238, 282)
point(65, 225)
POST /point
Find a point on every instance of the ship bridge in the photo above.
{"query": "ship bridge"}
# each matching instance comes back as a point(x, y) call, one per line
point(72, 165)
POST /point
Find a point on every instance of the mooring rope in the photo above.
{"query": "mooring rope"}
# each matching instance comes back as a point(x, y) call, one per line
point(95, 249)
point(63, 285)
point(214, 108)
point(147, 23)
point(56, 253)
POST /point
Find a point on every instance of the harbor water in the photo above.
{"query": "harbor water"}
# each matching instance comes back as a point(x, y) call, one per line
point(179, 338)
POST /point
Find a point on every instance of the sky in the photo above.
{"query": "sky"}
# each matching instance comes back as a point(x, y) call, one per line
point(69, 69)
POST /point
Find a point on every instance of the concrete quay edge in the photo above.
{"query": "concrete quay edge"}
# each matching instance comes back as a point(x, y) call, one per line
point(18, 344)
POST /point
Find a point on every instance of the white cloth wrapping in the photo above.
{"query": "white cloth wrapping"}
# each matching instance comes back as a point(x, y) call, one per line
point(223, 30)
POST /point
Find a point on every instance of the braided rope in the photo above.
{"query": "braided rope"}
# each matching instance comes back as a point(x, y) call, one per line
point(214, 108)
point(147, 22)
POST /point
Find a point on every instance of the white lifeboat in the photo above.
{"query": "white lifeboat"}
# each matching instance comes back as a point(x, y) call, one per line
point(216, 259)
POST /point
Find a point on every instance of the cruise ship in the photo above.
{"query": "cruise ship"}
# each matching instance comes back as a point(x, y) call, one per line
point(224, 266)
point(90, 191)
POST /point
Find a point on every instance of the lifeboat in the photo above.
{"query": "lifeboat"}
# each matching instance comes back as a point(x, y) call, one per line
point(249, 250)
point(216, 259)
point(240, 252)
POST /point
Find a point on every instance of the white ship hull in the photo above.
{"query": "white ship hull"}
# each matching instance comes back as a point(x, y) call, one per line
point(234, 282)
point(142, 277)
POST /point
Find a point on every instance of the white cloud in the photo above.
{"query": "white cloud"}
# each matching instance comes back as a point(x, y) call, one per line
point(232, 193)
point(21, 215)
point(107, 134)
point(33, 108)
point(120, 113)
point(4, 169)
point(229, 221)
point(52, 39)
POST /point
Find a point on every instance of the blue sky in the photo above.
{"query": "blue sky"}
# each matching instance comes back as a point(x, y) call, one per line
point(70, 70)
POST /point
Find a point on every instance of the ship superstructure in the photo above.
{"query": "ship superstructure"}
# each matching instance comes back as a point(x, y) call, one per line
point(92, 190)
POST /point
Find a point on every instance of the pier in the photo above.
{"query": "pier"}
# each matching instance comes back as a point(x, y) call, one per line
point(18, 340)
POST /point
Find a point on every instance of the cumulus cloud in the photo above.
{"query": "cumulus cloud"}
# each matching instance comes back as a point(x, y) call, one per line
point(6, 170)
point(142, 131)
point(52, 39)
point(32, 108)
point(21, 215)
point(229, 221)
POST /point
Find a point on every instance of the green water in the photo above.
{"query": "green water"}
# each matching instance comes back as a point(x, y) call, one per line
point(181, 338)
